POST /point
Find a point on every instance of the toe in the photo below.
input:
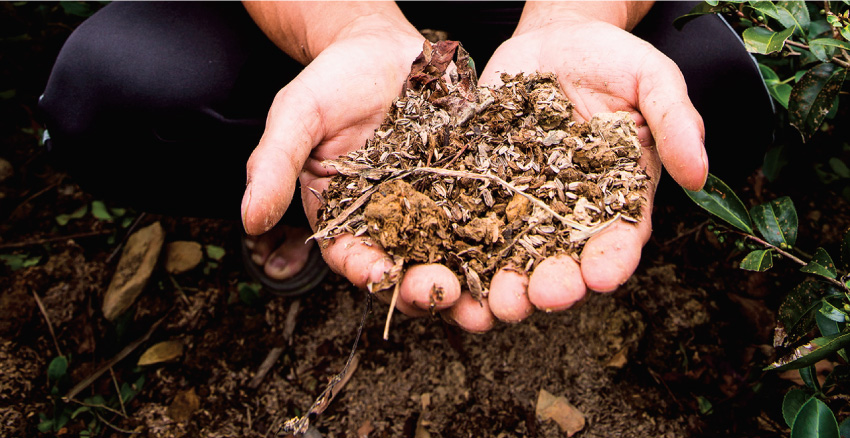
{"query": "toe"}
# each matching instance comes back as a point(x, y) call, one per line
point(291, 256)
point(429, 287)
point(509, 296)
point(265, 244)
point(556, 284)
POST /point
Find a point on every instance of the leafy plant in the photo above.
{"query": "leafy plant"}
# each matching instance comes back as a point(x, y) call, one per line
point(822, 300)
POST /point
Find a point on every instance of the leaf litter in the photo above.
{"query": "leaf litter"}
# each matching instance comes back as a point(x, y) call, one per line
point(481, 179)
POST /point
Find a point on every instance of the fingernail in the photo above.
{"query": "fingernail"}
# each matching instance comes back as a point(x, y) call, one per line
point(246, 200)
point(379, 268)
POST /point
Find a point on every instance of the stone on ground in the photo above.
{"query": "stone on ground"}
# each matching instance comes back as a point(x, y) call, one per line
point(559, 410)
point(182, 256)
point(134, 269)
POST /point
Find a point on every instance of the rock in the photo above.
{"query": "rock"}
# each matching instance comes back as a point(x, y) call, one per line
point(558, 409)
point(182, 256)
point(134, 269)
point(185, 403)
point(162, 352)
point(6, 169)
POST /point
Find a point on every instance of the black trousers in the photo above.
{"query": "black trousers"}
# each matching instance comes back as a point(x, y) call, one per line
point(158, 105)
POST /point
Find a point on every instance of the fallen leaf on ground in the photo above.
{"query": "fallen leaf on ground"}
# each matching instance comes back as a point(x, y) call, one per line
point(559, 410)
point(185, 403)
point(161, 352)
point(182, 256)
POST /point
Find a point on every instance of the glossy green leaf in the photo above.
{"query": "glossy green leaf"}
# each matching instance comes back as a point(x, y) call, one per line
point(763, 41)
point(815, 420)
point(798, 12)
point(791, 404)
point(832, 313)
point(839, 375)
point(844, 428)
point(759, 260)
point(765, 8)
point(809, 375)
point(776, 221)
point(813, 97)
point(718, 199)
point(821, 264)
point(796, 313)
point(703, 8)
point(830, 42)
point(845, 250)
point(839, 167)
point(775, 159)
point(811, 352)
point(58, 368)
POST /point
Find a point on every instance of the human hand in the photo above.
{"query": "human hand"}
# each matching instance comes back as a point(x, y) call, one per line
point(601, 68)
point(330, 109)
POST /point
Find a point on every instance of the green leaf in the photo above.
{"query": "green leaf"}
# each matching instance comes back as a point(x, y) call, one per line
point(58, 368)
point(763, 41)
point(815, 420)
point(776, 221)
point(766, 8)
point(796, 313)
point(718, 199)
point(809, 375)
point(791, 404)
point(215, 252)
point(830, 42)
point(810, 353)
point(821, 264)
point(19, 261)
point(833, 314)
point(63, 219)
point(99, 211)
point(844, 428)
point(845, 250)
point(117, 211)
point(45, 426)
point(699, 10)
point(813, 97)
point(759, 260)
point(79, 411)
point(839, 167)
point(774, 160)
point(249, 293)
point(798, 12)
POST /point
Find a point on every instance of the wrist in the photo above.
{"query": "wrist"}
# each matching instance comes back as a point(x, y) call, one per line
point(623, 14)
point(305, 29)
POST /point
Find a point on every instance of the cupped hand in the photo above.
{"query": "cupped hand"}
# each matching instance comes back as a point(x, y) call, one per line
point(330, 109)
point(601, 68)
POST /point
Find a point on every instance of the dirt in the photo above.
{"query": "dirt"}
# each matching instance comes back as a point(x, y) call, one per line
point(676, 352)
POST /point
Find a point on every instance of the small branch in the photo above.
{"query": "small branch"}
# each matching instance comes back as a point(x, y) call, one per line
point(393, 302)
point(104, 407)
point(47, 320)
point(126, 235)
point(114, 427)
point(37, 242)
point(789, 256)
point(118, 358)
point(118, 392)
point(265, 367)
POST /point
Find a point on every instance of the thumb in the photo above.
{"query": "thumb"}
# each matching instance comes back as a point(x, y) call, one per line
point(293, 128)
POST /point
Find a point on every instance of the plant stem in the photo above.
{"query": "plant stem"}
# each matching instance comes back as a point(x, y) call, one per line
point(789, 256)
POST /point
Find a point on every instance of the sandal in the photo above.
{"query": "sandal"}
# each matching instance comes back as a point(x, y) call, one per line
point(313, 272)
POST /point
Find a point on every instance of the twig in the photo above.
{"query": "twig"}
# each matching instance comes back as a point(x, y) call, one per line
point(393, 302)
point(116, 428)
point(118, 391)
point(126, 235)
point(789, 256)
point(104, 407)
point(265, 367)
point(36, 242)
point(289, 323)
point(118, 358)
point(47, 320)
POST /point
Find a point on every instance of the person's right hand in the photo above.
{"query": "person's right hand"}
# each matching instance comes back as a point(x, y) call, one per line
point(330, 109)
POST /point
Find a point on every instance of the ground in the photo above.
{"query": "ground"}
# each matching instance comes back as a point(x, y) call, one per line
point(676, 352)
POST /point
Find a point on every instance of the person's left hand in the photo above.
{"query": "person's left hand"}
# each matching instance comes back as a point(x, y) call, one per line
point(601, 68)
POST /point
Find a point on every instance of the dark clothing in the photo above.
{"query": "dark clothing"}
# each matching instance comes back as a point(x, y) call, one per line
point(160, 104)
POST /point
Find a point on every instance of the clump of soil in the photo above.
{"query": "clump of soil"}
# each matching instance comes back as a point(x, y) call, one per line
point(484, 178)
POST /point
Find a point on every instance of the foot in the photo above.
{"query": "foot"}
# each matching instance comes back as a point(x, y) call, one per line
point(281, 251)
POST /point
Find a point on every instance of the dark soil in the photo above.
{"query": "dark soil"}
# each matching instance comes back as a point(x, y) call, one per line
point(676, 352)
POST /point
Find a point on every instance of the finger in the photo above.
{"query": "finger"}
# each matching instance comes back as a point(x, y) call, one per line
point(676, 125)
point(357, 259)
point(429, 287)
point(471, 315)
point(292, 130)
point(508, 296)
point(556, 283)
point(610, 257)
